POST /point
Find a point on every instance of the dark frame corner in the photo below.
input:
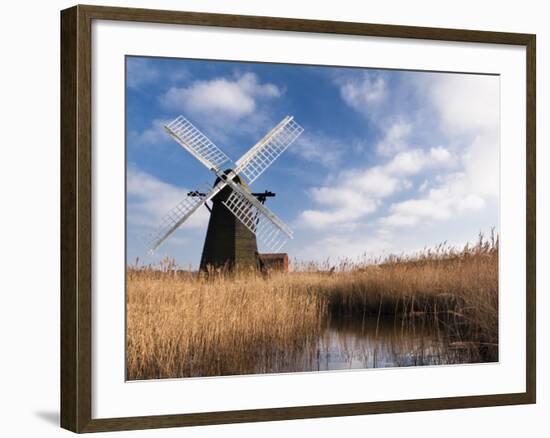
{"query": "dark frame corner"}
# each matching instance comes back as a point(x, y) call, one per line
point(76, 222)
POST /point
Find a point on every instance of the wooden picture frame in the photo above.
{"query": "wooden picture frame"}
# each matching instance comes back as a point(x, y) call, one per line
point(76, 217)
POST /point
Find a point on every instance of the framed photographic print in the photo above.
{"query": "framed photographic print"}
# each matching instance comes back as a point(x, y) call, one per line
point(268, 218)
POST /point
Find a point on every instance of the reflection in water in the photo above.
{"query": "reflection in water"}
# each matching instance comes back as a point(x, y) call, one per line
point(385, 343)
point(352, 343)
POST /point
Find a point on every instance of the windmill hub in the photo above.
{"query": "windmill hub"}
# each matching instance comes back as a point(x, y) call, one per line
point(226, 191)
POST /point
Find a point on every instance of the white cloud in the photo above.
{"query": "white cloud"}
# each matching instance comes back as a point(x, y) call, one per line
point(140, 71)
point(440, 131)
point(357, 193)
point(345, 216)
point(466, 103)
point(319, 148)
point(376, 181)
point(422, 188)
point(440, 155)
point(346, 247)
point(445, 200)
point(468, 110)
point(422, 208)
point(481, 164)
point(149, 199)
point(395, 138)
point(221, 98)
point(471, 202)
point(413, 161)
point(152, 135)
point(361, 93)
point(400, 220)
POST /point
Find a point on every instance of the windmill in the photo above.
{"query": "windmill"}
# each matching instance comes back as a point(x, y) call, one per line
point(238, 218)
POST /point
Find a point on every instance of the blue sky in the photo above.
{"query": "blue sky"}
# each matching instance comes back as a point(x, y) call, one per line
point(389, 162)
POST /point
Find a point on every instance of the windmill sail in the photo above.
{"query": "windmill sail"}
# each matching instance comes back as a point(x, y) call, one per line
point(265, 152)
point(196, 143)
point(179, 214)
point(257, 218)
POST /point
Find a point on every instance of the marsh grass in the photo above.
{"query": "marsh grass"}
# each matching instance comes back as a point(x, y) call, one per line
point(181, 323)
point(194, 326)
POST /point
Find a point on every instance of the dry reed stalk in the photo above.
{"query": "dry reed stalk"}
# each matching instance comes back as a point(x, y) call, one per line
point(183, 324)
point(191, 326)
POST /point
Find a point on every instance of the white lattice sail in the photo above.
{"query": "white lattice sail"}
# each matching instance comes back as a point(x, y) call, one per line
point(257, 218)
point(252, 164)
point(195, 142)
point(180, 213)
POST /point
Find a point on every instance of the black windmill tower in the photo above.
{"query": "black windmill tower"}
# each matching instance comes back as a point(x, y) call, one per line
point(238, 217)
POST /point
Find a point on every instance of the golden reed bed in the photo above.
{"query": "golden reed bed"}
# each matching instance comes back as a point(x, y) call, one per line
point(182, 324)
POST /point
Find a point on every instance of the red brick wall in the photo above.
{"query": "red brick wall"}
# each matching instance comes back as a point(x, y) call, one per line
point(275, 261)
